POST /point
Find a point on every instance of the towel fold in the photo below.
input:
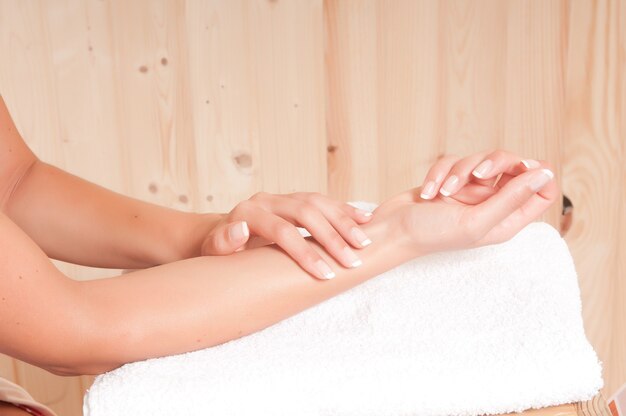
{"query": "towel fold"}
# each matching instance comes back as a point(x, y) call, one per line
point(489, 330)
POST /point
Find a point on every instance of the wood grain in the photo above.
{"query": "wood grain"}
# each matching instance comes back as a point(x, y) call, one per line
point(593, 170)
point(197, 105)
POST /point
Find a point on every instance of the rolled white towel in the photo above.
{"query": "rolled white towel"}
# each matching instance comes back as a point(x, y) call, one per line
point(489, 330)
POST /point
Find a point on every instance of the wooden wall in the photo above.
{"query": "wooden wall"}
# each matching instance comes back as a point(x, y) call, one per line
point(199, 104)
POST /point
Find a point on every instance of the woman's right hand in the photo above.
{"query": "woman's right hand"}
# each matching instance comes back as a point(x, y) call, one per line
point(482, 209)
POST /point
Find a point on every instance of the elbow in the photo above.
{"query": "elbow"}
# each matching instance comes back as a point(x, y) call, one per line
point(86, 345)
point(80, 360)
point(73, 369)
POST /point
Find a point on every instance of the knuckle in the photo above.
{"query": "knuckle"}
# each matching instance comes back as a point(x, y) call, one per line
point(258, 196)
point(518, 197)
point(498, 154)
point(346, 223)
point(313, 196)
point(283, 231)
point(218, 245)
point(307, 256)
point(242, 206)
point(297, 195)
point(447, 157)
point(307, 213)
point(335, 240)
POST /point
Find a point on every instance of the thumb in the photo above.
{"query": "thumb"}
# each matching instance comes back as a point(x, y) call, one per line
point(528, 195)
point(226, 239)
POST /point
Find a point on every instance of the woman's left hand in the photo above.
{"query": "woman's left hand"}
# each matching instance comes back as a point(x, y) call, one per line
point(482, 199)
point(271, 218)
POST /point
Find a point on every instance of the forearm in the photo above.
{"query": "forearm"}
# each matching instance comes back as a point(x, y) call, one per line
point(202, 302)
point(77, 221)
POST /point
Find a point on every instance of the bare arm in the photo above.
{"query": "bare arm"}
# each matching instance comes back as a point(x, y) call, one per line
point(71, 327)
point(79, 222)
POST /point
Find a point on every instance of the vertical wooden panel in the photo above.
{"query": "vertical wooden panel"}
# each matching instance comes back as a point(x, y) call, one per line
point(7, 368)
point(473, 47)
point(409, 78)
point(618, 353)
point(198, 104)
point(64, 395)
point(535, 83)
point(452, 77)
point(352, 99)
point(257, 73)
point(593, 169)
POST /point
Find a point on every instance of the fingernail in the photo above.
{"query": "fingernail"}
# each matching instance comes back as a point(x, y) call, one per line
point(427, 191)
point(239, 231)
point(540, 179)
point(364, 212)
point(324, 269)
point(351, 258)
point(449, 185)
point(483, 169)
point(531, 163)
point(361, 237)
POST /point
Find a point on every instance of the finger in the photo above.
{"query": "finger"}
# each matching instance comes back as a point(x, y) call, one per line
point(359, 215)
point(226, 239)
point(287, 237)
point(484, 168)
point(436, 175)
point(520, 218)
point(461, 173)
point(313, 219)
point(473, 194)
point(522, 166)
point(518, 203)
point(344, 218)
point(347, 228)
point(324, 202)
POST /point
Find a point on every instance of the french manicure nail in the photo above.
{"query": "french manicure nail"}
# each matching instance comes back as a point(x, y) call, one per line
point(361, 237)
point(239, 231)
point(449, 185)
point(483, 169)
point(531, 163)
point(540, 179)
point(427, 191)
point(351, 258)
point(364, 212)
point(324, 270)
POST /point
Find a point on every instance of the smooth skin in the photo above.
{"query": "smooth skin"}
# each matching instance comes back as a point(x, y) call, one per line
point(7, 409)
point(88, 327)
point(79, 222)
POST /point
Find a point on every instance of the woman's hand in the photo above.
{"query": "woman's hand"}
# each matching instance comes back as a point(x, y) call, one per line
point(267, 218)
point(476, 206)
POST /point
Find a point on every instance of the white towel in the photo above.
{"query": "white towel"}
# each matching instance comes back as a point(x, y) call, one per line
point(489, 330)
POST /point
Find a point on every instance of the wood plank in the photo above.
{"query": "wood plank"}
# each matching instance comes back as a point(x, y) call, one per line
point(352, 99)
point(62, 394)
point(617, 362)
point(256, 68)
point(535, 50)
point(593, 164)
point(196, 105)
point(7, 368)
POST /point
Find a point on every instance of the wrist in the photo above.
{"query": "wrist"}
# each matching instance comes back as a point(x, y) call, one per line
point(192, 231)
point(389, 236)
